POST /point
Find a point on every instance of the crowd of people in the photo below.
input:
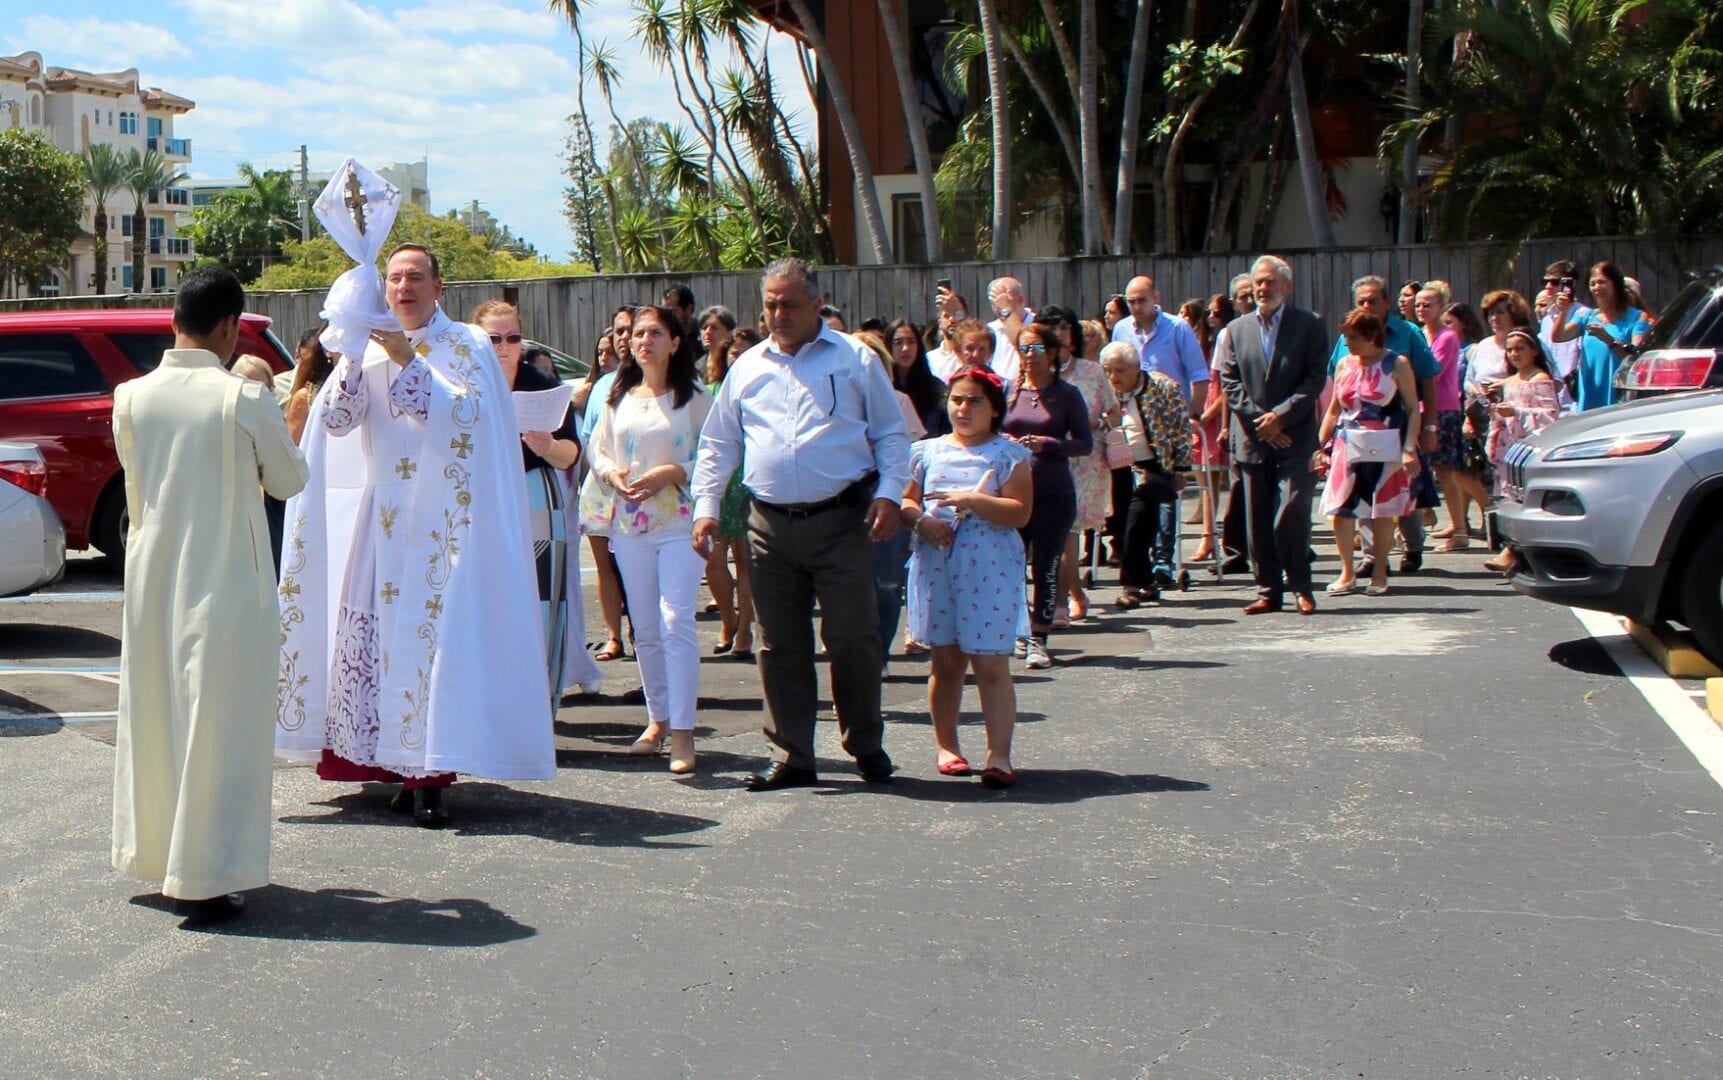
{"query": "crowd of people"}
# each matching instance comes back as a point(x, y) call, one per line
point(959, 471)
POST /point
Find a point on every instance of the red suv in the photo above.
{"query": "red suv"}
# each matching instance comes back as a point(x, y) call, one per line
point(58, 370)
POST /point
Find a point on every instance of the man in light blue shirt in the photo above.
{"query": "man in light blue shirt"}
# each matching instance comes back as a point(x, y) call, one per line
point(1166, 344)
point(811, 418)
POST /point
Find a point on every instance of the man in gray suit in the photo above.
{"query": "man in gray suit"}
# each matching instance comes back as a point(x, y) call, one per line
point(1273, 370)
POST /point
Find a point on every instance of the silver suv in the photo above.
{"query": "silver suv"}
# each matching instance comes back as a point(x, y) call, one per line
point(1621, 510)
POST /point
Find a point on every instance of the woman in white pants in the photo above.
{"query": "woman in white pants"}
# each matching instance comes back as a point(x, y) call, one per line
point(643, 451)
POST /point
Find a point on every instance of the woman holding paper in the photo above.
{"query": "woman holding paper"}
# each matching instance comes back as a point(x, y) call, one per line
point(643, 454)
point(543, 453)
point(1368, 447)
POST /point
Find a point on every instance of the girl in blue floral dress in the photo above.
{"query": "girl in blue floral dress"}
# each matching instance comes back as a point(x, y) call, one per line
point(969, 492)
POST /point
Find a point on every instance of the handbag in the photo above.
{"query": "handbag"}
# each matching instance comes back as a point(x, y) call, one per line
point(1118, 448)
point(597, 505)
point(1373, 446)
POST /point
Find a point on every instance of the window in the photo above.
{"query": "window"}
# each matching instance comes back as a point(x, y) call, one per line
point(126, 275)
point(110, 118)
point(128, 123)
point(125, 224)
point(158, 228)
point(47, 365)
point(154, 127)
point(143, 350)
point(158, 278)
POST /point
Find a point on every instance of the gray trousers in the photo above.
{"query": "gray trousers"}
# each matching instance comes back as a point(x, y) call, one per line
point(793, 561)
point(1277, 514)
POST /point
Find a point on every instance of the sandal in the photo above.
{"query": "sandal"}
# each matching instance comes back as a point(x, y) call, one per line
point(995, 777)
point(1455, 543)
point(1342, 588)
point(957, 766)
point(1376, 590)
point(612, 651)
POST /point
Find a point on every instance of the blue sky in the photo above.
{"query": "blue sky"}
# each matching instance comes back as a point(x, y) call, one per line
point(480, 87)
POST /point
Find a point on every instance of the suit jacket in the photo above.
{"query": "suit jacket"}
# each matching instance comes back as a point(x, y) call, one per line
point(1287, 383)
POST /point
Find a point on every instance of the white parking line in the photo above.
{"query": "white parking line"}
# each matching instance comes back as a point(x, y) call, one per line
point(1668, 698)
point(65, 598)
point(15, 718)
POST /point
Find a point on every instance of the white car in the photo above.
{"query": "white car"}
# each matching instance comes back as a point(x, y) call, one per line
point(32, 540)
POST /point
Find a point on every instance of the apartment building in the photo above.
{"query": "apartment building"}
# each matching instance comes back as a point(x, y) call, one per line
point(78, 109)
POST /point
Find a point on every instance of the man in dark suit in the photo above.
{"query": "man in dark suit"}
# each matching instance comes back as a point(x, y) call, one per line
point(1273, 370)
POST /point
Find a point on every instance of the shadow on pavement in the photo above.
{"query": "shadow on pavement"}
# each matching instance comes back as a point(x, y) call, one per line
point(1585, 655)
point(358, 915)
point(968, 719)
point(479, 809)
point(1139, 663)
point(1035, 786)
point(33, 641)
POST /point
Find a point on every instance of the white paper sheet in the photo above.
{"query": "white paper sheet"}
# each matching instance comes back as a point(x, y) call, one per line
point(542, 410)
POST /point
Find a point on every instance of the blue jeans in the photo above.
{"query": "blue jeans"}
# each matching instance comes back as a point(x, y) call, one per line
point(890, 571)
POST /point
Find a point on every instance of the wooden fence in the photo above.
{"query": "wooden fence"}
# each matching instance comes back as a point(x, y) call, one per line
point(571, 313)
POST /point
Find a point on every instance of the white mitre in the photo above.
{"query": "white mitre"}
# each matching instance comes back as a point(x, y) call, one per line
point(358, 207)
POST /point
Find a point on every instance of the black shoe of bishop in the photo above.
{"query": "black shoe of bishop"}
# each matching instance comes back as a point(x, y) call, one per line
point(213, 910)
point(428, 812)
point(780, 774)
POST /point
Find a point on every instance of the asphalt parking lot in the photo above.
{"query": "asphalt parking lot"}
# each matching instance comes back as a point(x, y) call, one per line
point(1432, 834)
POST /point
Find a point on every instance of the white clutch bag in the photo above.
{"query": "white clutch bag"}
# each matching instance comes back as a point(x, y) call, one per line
point(1372, 446)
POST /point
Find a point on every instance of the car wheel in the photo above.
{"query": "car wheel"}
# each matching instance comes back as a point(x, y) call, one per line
point(1702, 594)
point(108, 531)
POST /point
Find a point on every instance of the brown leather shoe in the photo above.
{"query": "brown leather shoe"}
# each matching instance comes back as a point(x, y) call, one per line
point(1305, 603)
point(1262, 605)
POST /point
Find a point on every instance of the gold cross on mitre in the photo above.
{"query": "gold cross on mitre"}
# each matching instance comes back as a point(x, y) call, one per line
point(356, 200)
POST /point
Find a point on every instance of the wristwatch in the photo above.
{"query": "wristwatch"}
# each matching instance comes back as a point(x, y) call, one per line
point(1431, 428)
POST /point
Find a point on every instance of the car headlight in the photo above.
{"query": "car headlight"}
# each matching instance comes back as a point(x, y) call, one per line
point(1619, 446)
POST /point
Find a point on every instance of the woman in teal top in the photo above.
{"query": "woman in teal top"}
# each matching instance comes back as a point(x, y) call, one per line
point(1612, 329)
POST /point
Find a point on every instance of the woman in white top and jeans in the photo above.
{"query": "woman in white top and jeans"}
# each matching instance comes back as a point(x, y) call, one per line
point(643, 453)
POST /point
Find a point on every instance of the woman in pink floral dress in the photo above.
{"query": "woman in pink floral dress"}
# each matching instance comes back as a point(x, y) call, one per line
point(1368, 446)
point(1530, 401)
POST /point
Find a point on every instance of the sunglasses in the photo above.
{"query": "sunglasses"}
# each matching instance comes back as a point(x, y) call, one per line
point(498, 339)
point(1036, 348)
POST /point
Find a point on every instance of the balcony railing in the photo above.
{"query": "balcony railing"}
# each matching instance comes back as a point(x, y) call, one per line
point(169, 147)
point(170, 245)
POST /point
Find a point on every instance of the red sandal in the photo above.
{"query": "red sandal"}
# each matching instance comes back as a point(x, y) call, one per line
point(955, 767)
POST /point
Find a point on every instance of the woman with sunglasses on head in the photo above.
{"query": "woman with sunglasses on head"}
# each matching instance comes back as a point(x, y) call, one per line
point(642, 463)
point(546, 454)
point(1048, 417)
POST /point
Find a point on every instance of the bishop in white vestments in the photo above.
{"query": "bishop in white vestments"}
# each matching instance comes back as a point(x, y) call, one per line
point(408, 598)
point(192, 761)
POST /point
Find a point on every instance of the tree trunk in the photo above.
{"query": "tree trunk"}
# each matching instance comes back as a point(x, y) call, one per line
point(99, 249)
point(592, 152)
point(140, 243)
point(917, 130)
point(1170, 179)
point(999, 107)
point(1304, 137)
point(866, 193)
point(1088, 126)
point(1408, 230)
point(1061, 122)
point(1124, 199)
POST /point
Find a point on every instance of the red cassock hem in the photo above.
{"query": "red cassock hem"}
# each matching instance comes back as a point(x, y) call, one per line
point(333, 766)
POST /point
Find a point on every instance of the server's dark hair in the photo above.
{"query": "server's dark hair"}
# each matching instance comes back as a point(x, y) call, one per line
point(206, 297)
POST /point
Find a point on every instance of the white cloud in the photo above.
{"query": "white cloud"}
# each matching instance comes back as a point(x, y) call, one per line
point(93, 44)
point(480, 87)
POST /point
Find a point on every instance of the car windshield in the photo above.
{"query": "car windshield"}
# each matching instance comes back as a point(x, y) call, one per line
point(1693, 320)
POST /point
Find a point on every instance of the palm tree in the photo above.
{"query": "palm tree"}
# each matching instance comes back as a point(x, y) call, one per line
point(1304, 136)
point(999, 108)
point(146, 171)
point(572, 11)
point(1126, 193)
point(867, 193)
point(1407, 231)
point(104, 174)
point(909, 97)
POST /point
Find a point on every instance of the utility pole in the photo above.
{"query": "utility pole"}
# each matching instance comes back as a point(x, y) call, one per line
point(473, 218)
point(304, 196)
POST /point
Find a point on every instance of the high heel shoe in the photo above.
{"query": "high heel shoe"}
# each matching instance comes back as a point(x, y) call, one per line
point(648, 743)
point(681, 752)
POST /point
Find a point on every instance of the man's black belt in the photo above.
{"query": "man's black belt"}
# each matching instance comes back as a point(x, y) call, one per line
point(857, 494)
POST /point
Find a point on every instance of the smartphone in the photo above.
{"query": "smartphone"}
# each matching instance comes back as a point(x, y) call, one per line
point(1567, 287)
point(944, 283)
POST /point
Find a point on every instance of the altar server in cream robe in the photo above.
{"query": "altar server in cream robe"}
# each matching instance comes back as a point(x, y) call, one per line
point(193, 758)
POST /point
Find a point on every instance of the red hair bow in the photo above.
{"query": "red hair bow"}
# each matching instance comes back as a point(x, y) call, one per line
point(986, 375)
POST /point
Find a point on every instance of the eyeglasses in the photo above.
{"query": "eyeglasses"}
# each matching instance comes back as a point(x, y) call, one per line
point(1036, 348)
point(498, 339)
